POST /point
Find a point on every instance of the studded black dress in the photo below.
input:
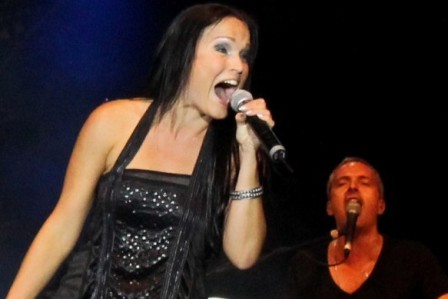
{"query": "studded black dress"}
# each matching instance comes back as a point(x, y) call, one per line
point(148, 209)
point(137, 239)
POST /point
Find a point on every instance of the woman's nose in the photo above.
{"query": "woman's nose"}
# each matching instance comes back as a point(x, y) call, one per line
point(237, 64)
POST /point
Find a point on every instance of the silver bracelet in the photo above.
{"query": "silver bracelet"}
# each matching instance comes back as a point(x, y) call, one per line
point(246, 194)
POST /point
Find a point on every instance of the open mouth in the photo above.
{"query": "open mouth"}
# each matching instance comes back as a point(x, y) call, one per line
point(225, 89)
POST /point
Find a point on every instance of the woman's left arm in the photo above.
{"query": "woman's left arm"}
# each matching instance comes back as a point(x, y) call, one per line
point(245, 223)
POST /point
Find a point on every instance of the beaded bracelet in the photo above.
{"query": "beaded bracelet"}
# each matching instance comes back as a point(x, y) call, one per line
point(247, 194)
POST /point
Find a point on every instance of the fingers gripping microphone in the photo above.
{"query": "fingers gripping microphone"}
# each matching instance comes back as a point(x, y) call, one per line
point(267, 137)
point(353, 210)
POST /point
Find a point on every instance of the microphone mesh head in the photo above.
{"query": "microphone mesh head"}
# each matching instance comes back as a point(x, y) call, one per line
point(239, 97)
point(353, 207)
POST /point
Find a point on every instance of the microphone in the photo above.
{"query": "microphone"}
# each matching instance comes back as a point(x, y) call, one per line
point(353, 210)
point(268, 139)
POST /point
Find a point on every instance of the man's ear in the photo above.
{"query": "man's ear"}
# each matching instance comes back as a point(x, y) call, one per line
point(381, 206)
point(329, 208)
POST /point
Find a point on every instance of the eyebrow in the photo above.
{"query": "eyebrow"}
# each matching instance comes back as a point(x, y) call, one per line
point(346, 177)
point(225, 37)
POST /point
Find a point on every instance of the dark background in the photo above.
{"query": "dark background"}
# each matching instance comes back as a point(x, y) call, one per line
point(366, 79)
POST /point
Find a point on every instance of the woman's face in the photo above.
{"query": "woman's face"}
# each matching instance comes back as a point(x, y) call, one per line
point(219, 67)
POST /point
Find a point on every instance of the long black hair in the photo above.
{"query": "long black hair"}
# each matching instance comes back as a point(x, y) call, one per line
point(171, 69)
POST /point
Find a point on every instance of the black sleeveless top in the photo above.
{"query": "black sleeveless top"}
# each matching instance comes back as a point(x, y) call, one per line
point(137, 243)
point(148, 209)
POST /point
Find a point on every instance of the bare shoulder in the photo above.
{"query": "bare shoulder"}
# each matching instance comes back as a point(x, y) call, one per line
point(118, 113)
point(97, 147)
point(113, 119)
point(109, 126)
point(120, 109)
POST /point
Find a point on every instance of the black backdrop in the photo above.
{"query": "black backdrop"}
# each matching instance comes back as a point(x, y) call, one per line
point(341, 79)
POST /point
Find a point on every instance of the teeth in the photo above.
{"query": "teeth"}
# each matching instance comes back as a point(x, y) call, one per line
point(231, 82)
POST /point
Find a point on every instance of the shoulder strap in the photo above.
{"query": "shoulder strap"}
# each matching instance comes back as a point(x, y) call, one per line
point(135, 141)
